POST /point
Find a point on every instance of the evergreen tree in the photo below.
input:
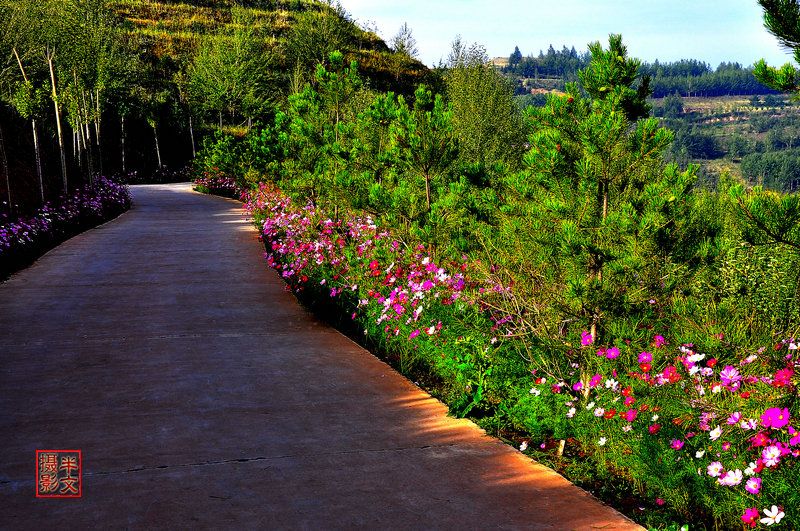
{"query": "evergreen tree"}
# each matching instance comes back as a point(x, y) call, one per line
point(594, 218)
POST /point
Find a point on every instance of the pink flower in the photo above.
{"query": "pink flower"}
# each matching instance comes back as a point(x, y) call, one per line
point(753, 485)
point(729, 375)
point(595, 380)
point(578, 386)
point(658, 341)
point(654, 428)
point(414, 334)
point(715, 469)
point(731, 478)
point(675, 444)
point(734, 418)
point(783, 377)
point(586, 339)
point(759, 439)
point(775, 417)
point(612, 353)
point(771, 455)
point(630, 415)
point(645, 357)
point(750, 516)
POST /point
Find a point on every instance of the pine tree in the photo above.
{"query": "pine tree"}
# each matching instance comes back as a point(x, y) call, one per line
point(770, 218)
point(592, 221)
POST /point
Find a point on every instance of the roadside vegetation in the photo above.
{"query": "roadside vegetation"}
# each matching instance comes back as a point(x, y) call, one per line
point(578, 296)
point(563, 273)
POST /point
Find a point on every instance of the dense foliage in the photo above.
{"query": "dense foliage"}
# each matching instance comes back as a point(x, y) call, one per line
point(580, 291)
point(107, 86)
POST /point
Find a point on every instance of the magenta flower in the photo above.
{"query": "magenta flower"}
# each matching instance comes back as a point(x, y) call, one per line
point(775, 417)
point(612, 353)
point(658, 341)
point(675, 444)
point(645, 357)
point(414, 334)
point(734, 418)
point(586, 339)
point(729, 375)
point(630, 415)
point(750, 516)
point(753, 485)
point(595, 380)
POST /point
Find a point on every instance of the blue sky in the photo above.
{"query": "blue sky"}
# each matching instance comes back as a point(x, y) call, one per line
point(669, 30)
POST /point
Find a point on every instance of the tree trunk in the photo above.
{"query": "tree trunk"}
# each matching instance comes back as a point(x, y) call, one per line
point(58, 122)
point(191, 136)
point(38, 159)
point(97, 130)
point(158, 151)
point(5, 170)
point(122, 121)
point(86, 146)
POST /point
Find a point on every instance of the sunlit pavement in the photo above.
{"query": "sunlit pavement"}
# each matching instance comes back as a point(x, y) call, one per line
point(201, 395)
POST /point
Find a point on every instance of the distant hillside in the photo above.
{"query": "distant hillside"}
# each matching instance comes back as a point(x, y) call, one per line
point(175, 29)
point(688, 77)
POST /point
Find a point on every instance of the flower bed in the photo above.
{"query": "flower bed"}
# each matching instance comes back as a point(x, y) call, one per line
point(217, 184)
point(23, 241)
point(710, 436)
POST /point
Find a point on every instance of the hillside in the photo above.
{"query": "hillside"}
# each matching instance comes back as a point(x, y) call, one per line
point(177, 29)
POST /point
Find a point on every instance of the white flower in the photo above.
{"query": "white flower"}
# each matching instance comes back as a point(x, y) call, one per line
point(751, 469)
point(749, 424)
point(535, 392)
point(599, 412)
point(731, 478)
point(715, 433)
point(700, 453)
point(602, 441)
point(655, 418)
point(694, 358)
point(590, 405)
point(774, 515)
point(611, 383)
point(571, 412)
point(627, 428)
point(523, 446)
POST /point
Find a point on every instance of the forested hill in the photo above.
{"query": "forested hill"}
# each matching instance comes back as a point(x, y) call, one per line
point(138, 84)
point(687, 77)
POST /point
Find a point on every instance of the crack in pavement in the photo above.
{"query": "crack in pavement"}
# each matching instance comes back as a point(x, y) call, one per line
point(245, 460)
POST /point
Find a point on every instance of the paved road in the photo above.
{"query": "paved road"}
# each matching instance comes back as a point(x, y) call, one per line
point(202, 396)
